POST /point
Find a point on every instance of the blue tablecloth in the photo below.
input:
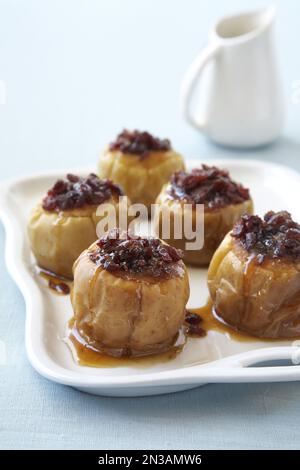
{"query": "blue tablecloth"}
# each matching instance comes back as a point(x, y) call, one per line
point(76, 73)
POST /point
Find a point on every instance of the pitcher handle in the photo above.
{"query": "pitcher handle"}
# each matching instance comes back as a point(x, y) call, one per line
point(189, 83)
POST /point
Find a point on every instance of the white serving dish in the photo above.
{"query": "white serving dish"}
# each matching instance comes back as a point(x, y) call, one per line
point(215, 358)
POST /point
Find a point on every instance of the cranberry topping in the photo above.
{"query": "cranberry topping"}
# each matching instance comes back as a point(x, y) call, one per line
point(122, 251)
point(139, 143)
point(59, 287)
point(75, 191)
point(193, 324)
point(275, 236)
point(207, 185)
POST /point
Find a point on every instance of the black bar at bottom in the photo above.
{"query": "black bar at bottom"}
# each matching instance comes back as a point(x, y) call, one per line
point(135, 458)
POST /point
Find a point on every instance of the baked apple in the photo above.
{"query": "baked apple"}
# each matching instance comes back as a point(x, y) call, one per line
point(64, 223)
point(140, 163)
point(254, 276)
point(129, 295)
point(224, 202)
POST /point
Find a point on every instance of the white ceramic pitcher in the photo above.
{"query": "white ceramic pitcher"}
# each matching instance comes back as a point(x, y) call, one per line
point(242, 103)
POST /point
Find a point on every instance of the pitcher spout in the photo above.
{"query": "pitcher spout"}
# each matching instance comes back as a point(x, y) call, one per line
point(245, 26)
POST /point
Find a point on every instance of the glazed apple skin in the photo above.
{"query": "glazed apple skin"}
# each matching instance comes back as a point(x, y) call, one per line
point(131, 316)
point(217, 223)
point(140, 178)
point(58, 238)
point(260, 299)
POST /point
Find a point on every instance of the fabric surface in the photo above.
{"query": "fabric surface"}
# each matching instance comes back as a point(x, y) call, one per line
point(76, 73)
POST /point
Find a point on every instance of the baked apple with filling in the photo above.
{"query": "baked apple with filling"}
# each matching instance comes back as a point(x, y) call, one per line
point(254, 276)
point(64, 223)
point(223, 199)
point(129, 295)
point(140, 163)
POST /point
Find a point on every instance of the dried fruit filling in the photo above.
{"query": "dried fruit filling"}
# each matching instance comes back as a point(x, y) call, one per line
point(207, 185)
point(139, 143)
point(75, 192)
point(274, 236)
point(193, 322)
point(123, 252)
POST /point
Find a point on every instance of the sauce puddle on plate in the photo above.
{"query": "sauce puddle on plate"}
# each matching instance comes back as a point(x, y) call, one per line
point(60, 285)
point(85, 355)
point(210, 321)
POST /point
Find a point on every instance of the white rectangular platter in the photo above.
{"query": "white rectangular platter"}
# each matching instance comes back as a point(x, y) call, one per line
point(215, 358)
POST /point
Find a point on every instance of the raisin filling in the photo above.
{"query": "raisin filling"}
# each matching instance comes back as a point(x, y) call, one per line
point(193, 322)
point(207, 185)
point(75, 192)
point(274, 236)
point(123, 252)
point(139, 143)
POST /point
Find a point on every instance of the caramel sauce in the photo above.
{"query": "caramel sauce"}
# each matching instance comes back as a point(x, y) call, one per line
point(212, 322)
point(86, 355)
point(59, 284)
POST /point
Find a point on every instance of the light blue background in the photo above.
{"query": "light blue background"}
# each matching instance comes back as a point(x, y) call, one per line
point(76, 73)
